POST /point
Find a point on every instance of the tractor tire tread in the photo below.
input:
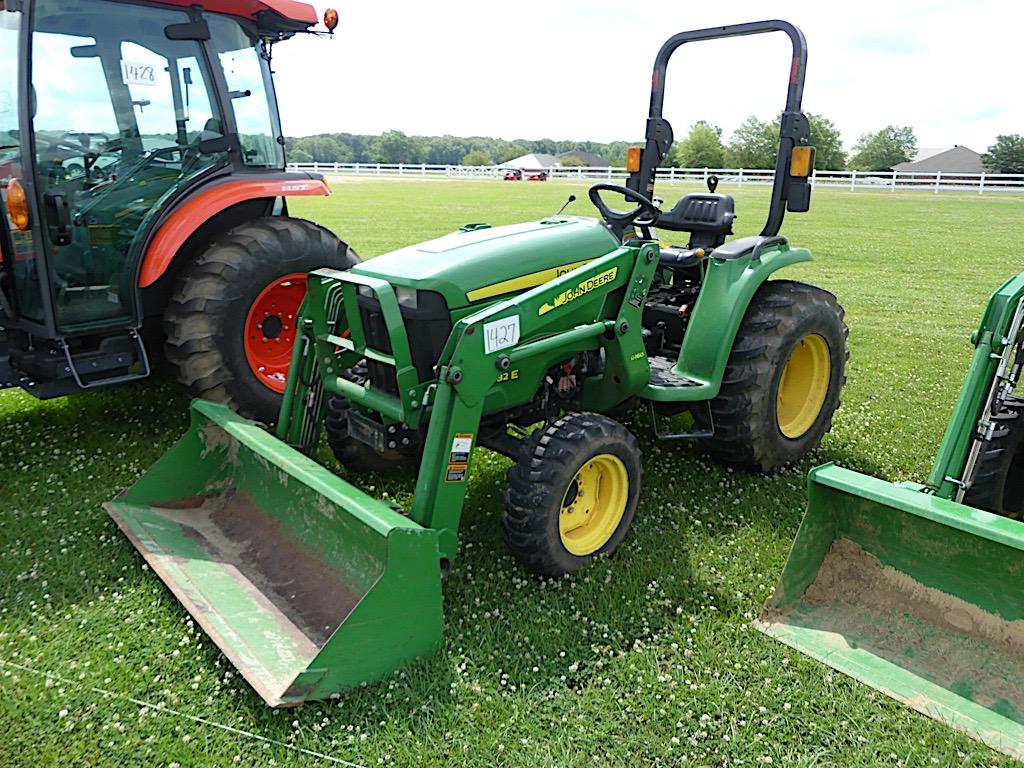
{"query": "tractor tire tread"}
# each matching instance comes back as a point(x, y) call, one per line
point(208, 359)
point(536, 486)
point(743, 415)
point(999, 464)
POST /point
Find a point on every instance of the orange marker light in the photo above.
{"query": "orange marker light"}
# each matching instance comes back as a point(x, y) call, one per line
point(17, 205)
point(330, 19)
point(801, 162)
point(633, 159)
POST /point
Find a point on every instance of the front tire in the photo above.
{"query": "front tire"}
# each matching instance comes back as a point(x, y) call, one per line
point(230, 321)
point(999, 483)
point(783, 380)
point(574, 495)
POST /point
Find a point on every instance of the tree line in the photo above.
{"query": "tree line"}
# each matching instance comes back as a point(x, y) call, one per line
point(753, 145)
point(397, 147)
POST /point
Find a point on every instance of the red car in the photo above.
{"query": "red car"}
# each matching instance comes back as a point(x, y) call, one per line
point(537, 176)
point(513, 175)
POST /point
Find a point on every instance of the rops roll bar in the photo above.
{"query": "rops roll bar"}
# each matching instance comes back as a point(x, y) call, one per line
point(789, 192)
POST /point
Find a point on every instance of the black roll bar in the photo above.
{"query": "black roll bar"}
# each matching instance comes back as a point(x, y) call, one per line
point(788, 192)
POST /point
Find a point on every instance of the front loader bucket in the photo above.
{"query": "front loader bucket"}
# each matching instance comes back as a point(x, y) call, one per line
point(308, 585)
point(917, 596)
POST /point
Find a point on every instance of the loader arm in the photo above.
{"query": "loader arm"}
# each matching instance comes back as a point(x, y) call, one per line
point(997, 333)
point(598, 305)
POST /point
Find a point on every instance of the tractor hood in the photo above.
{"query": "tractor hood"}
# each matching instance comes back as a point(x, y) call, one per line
point(480, 263)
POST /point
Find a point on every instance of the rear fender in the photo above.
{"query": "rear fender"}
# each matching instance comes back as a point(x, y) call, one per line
point(729, 287)
point(190, 215)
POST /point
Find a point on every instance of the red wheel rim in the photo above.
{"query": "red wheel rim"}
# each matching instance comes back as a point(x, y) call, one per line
point(270, 329)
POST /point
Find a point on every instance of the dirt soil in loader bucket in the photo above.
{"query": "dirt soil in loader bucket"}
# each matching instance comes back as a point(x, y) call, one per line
point(917, 596)
point(308, 585)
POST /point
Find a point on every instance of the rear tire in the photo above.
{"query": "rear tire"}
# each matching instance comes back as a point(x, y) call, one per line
point(549, 523)
point(783, 380)
point(999, 483)
point(206, 318)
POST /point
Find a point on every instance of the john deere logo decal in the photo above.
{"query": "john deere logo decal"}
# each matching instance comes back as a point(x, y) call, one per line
point(585, 287)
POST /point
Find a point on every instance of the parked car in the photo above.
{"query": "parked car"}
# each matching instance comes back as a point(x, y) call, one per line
point(513, 174)
point(537, 176)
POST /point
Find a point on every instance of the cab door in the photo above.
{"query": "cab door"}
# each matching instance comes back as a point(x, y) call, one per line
point(20, 277)
point(121, 109)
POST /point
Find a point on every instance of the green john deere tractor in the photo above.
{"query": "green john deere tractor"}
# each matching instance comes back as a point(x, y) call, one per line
point(916, 589)
point(473, 340)
point(143, 198)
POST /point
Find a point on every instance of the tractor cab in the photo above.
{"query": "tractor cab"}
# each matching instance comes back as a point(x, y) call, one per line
point(113, 117)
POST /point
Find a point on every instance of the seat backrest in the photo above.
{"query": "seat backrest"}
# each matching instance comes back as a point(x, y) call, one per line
point(707, 217)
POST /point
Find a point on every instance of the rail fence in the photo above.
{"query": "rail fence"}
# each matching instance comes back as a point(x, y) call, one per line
point(893, 181)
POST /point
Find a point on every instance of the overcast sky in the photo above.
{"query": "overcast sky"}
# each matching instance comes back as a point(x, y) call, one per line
point(580, 69)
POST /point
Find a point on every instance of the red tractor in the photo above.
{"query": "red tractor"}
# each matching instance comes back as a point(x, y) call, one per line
point(144, 197)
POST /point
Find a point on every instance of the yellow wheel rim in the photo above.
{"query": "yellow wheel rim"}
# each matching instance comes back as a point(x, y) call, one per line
point(594, 504)
point(803, 386)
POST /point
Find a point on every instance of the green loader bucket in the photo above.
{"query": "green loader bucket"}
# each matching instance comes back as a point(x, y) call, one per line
point(308, 585)
point(919, 597)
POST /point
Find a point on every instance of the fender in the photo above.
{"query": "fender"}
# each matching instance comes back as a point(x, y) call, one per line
point(729, 287)
point(198, 209)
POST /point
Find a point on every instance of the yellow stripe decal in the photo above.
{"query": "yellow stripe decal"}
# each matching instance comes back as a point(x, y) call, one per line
point(522, 283)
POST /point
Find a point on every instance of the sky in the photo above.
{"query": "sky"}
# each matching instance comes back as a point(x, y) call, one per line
point(575, 69)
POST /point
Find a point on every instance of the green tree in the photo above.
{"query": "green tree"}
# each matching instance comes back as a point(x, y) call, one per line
point(477, 157)
point(572, 162)
point(320, 149)
point(510, 151)
point(396, 147)
point(829, 154)
point(882, 150)
point(1006, 155)
point(754, 144)
point(702, 148)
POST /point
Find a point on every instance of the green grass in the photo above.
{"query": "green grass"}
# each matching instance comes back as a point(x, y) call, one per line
point(644, 660)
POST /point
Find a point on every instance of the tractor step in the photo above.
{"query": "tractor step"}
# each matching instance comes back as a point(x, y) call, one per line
point(662, 374)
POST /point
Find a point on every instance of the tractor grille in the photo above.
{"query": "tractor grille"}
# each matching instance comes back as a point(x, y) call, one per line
point(428, 326)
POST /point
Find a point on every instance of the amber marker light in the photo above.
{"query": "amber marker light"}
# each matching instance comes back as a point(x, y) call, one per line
point(17, 205)
point(801, 161)
point(633, 159)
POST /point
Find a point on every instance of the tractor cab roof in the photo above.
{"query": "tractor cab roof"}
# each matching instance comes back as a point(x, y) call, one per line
point(273, 14)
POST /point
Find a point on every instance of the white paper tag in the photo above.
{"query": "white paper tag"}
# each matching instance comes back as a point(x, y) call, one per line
point(500, 334)
point(138, 73)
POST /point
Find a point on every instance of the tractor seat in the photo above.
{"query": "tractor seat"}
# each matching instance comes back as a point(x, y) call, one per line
point(706, 216)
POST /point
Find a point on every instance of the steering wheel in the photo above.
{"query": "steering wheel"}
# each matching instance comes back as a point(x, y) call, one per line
point(622, 219)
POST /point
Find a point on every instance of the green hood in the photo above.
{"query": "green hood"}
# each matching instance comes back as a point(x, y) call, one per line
point(475, 265)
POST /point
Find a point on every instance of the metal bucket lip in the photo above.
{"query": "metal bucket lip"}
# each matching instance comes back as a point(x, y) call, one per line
point(282, 670)
point(829, 644)
point(913, 500)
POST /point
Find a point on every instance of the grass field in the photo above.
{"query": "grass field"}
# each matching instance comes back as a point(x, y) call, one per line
point(644, 660)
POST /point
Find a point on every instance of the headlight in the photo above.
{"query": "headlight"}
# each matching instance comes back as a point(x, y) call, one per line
point(407, 297)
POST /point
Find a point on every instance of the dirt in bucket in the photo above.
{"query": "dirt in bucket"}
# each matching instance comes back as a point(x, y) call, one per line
point(938, 636)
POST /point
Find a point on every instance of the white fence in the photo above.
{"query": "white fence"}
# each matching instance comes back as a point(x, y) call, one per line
point(981, 183)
